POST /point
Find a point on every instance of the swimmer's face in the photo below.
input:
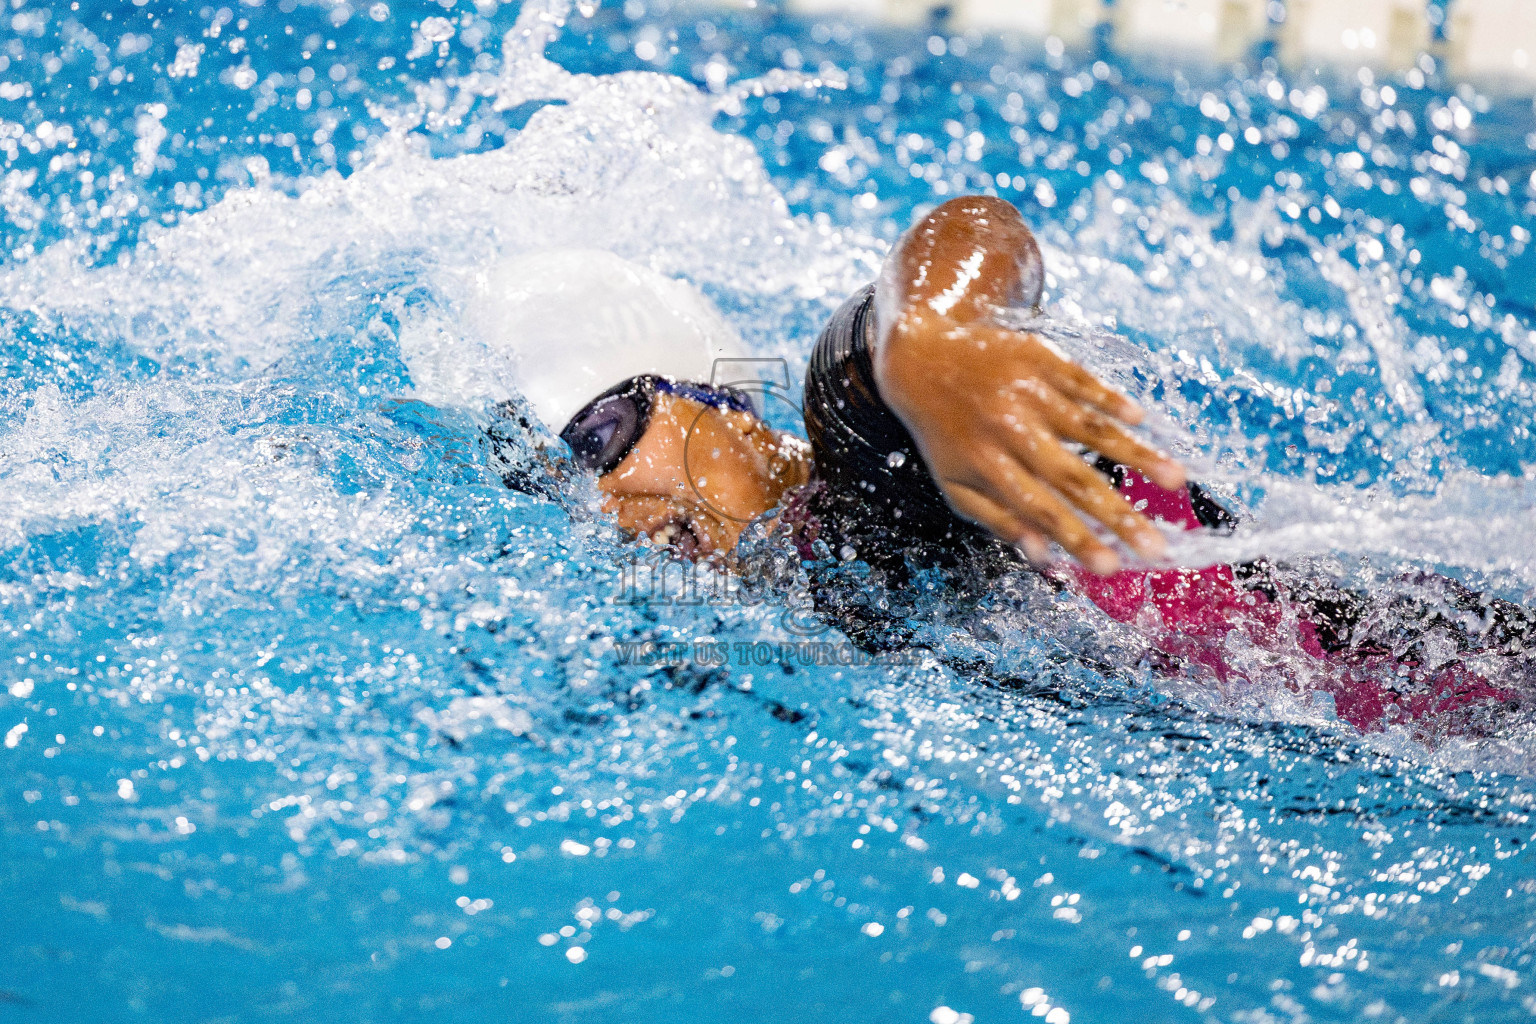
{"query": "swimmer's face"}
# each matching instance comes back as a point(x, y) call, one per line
point(735, 469)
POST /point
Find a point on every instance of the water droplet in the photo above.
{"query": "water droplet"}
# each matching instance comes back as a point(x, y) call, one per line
point(437, 30)
point(896, 459)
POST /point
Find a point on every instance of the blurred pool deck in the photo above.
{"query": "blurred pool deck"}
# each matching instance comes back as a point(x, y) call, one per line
point(1488, 43)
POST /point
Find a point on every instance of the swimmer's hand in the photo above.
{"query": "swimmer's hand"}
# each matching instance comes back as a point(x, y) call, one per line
point(991, 409)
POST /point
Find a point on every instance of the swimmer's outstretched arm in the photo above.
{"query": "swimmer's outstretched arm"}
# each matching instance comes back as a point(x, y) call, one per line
point(991, 409)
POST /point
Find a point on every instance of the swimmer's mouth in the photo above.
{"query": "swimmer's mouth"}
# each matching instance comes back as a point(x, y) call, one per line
point(681, 535)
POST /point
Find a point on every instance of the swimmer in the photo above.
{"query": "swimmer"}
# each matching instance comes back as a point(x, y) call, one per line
point(913, 369)
point(940, 437)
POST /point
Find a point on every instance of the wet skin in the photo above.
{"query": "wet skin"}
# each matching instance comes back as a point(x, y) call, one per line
point(995, 412)
point(699, 475)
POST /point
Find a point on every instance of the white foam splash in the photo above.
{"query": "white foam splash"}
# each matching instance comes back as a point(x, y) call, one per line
point(626, 162)
point(1217, 312)
point(268, 278)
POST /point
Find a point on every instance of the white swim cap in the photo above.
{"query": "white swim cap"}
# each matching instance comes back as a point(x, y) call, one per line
point(575, 322)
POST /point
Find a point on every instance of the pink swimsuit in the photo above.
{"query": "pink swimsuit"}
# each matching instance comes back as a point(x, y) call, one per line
point(1191, 615)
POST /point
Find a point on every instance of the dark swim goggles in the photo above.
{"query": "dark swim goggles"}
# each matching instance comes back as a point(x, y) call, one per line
point(608, 427)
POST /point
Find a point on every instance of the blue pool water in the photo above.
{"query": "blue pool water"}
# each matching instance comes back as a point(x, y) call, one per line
point(308, 717)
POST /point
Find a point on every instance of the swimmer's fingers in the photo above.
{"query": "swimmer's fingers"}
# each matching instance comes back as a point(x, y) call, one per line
point(1036, 548)
point(980, 509)
point(1105, 437)
point(1030, 500)
point(1077, 383)
point(1085, 488)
